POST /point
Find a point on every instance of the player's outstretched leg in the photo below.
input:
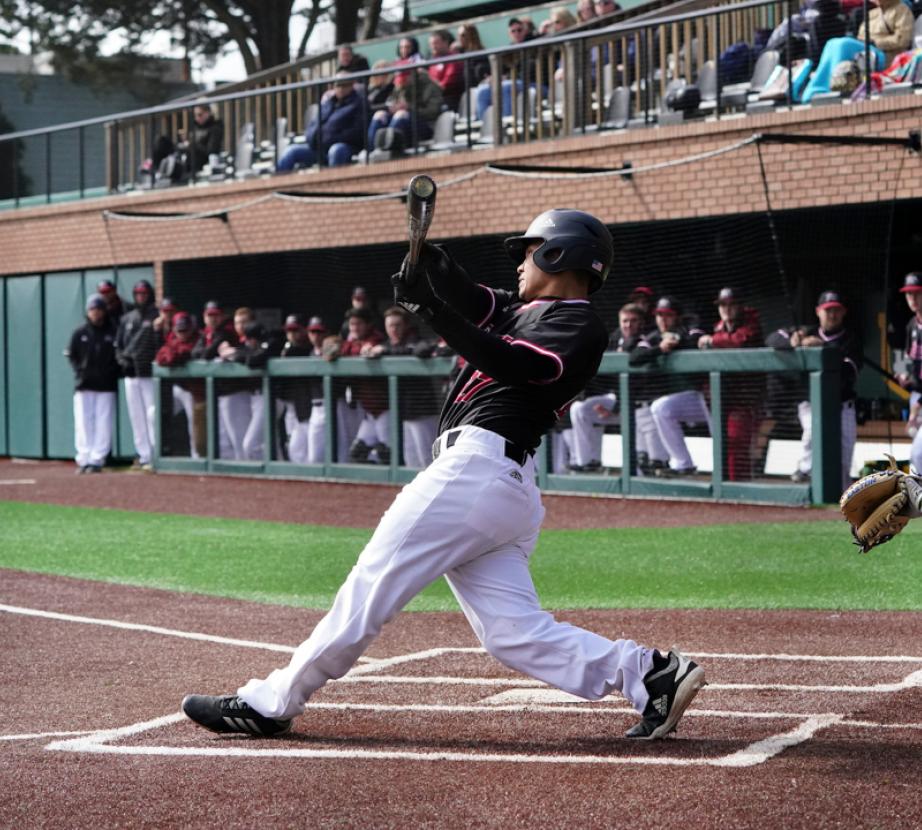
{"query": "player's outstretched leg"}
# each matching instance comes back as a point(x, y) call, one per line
point(672, 684)
point(228, 713)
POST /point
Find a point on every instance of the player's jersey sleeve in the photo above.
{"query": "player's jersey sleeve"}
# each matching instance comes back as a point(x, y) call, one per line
point(571, 341)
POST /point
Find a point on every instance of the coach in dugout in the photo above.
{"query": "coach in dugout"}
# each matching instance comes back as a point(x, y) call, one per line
point(92, 355)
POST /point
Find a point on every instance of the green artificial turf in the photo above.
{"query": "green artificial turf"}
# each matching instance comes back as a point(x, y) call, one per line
point(796, 564)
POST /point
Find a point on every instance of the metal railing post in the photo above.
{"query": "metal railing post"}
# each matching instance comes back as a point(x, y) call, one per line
point(329, 424)
point(717, 435)
point(269, 425)
point(211, 423)
point(826, 426)
point(628, 444)
point(394, 426)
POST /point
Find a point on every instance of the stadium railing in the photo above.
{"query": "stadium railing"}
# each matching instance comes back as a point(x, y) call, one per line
point(641, 55)
point(820, 365)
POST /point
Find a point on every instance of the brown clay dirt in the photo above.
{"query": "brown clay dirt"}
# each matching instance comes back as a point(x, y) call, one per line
point(826, 708)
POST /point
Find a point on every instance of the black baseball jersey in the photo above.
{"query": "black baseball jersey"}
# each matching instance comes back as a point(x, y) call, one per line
point(549, 349)
point(846, 342)
point(913, 366)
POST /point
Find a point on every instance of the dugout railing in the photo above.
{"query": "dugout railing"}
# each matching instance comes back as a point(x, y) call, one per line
point(551, 87)
point(821, 366)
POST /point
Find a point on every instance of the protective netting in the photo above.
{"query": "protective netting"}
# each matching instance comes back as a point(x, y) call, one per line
point(777, 259)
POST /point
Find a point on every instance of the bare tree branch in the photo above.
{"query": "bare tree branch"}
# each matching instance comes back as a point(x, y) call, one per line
point(238, 31)
point(372, 16)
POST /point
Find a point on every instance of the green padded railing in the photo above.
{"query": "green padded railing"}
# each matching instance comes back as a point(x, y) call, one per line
point(821, 365)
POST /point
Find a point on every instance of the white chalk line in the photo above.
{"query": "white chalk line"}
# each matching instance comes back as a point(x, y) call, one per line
point(37, 736)
point(15, 481)
point(752, 755)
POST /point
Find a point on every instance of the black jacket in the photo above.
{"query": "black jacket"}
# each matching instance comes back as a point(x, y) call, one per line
point(92, 356)
point(136, 342)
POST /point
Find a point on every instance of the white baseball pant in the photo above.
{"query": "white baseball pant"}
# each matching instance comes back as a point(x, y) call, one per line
point(647, 435)
point(669, 413)
point(375, 429)
point(418, 435)
point(185, 401)
point(849, 427)
point(254, 437)
point(348, 419)
point(561, 450)
point(139, 398)
point(234, 413)
point(589, 426)
point(473, 516)
point(94, 415)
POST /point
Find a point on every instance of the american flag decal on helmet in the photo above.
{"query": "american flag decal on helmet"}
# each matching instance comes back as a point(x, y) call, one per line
point(596, 265)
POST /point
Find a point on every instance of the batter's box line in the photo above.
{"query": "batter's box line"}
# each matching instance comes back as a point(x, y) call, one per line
point(752, 755)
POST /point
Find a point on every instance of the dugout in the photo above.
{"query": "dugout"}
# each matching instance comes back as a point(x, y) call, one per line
point(781, 260)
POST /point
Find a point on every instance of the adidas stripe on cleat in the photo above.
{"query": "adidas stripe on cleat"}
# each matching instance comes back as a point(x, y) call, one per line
point(671, 690)
point(229, 714)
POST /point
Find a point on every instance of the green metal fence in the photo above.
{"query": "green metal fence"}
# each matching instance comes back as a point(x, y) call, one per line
point(821, 365)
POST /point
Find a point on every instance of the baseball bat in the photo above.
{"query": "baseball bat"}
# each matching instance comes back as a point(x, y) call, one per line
point(420, 209)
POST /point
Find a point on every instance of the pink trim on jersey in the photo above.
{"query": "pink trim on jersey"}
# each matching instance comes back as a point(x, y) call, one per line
point(492, 306)
point(545, 352)
point(544, 302)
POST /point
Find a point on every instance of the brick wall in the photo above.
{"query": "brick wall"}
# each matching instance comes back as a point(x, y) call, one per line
point(74, 235)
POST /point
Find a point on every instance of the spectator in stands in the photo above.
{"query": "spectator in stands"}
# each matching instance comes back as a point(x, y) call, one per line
point(521, 30)
point(891, 25)
point(911, 376)
point(418, 402)
point(683, 402)
point(189, 154)
point(136, 344)
point(349, 60)
point(407, 51)
point(469, 41)
point(817, 20)
point(380, 88)
point(606, 7)
point(335, 134)
point(449, 76)
point(115, 306)
point(412, 109)
point(585, 11)
point(831, 333)
point(590, 415)
point(92, 356)
point(188, 395)
point(739, 327)
point(561, 19)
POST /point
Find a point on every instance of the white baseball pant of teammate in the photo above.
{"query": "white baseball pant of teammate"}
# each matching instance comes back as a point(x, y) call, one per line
point(669, 413)
point(473, 516)
point(254, 437)
point(562, 450)
point(375, 429)
point(348, 418)
point(184, 401)
point(647, 435)
point(234, 412)
point(297, 435)
point(589, 427)
point(94, 415)
point(139, 398)
point(305, 438)
point(418, 435)
point(849, 437)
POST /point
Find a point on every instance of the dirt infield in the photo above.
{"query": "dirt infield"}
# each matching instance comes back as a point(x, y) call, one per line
point(810, 719)
point(804, 723)
point(346, 505)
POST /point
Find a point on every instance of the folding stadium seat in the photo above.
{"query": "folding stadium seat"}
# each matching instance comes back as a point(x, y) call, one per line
point(738, 95)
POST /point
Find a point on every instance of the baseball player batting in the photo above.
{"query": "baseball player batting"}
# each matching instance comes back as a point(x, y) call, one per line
point(473, 515)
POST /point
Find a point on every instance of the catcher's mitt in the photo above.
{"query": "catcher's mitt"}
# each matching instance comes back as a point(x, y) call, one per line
point(874, 507)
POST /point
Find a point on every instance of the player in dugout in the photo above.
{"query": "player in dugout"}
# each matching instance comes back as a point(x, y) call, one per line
point(474, 514)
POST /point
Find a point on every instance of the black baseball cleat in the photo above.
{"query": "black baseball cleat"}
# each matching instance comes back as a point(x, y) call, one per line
point(228, 713)
point(671, 690)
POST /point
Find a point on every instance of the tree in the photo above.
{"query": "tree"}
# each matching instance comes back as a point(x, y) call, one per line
point(13, 181)
point(76, 31)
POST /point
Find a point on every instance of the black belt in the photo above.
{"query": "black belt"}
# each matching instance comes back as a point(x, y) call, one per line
point(512, 451)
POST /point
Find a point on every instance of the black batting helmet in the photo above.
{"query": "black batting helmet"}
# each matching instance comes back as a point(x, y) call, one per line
point(572, 240)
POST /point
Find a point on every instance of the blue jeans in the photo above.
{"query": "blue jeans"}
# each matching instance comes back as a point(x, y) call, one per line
point(304, 156)
point(401, 121)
